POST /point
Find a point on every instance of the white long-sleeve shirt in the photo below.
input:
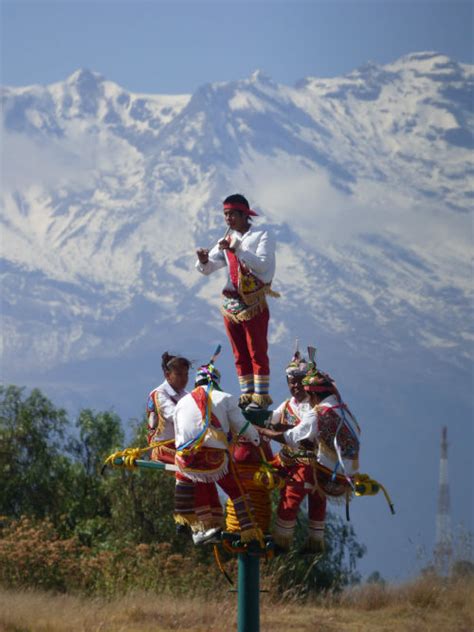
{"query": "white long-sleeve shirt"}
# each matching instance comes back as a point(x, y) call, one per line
point(298, 408)
point(188, 421)
point(167, 399)
point(304, 427)
point(255, 248)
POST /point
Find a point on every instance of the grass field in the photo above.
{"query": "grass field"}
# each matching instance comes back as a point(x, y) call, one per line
point(426, 605)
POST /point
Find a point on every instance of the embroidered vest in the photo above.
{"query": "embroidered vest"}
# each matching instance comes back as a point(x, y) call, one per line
point(251, 292)
point(153, 406)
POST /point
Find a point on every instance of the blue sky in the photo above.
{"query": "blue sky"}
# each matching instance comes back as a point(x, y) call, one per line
point(174, 47)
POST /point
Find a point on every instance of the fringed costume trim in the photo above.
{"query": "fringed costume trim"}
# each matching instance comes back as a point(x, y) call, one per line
point(262, 400)
point(248, 535)
point(206, 466)
point(245, 398)
point(246, 313)
point(190, 521)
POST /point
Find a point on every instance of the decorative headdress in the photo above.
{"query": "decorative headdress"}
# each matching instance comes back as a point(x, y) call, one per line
point(298, 366)
point(315, 380)
point(208, 373)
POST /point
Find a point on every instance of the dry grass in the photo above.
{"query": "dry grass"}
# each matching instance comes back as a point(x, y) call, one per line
point(427, 605)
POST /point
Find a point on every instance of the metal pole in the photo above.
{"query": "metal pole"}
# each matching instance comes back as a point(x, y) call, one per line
point(248, 614)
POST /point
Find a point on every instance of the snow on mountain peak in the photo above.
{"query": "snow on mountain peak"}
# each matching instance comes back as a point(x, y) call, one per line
point(107, 188)
point(84, 76)
point(259, 76)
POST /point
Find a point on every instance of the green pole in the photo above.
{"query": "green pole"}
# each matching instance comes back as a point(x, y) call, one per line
point(248, 612)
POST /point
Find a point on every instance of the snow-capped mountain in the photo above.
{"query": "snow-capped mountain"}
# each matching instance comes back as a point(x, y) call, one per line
point(107, 193)
point(365, 179)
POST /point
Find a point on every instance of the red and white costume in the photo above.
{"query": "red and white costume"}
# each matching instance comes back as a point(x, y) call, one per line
point(296, 459)
point(160, 412)
point(250, 268)
point(192, 507)
point(203, 453)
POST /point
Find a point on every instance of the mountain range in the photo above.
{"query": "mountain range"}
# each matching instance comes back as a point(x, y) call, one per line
point(366, 182)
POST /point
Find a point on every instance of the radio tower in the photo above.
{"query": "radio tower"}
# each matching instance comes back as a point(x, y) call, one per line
point(443, 548)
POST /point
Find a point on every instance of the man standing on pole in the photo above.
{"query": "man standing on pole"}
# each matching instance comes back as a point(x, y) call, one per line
point(250, 259)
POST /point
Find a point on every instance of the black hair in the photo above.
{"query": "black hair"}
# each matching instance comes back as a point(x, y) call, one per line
point(325, 393)
point(168, 362)
point(298, 376)
point(236, 198)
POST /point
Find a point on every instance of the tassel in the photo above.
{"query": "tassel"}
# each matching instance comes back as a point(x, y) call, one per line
point(252, 534)
point(192, 521)
point(245, 399)
point(264, 401)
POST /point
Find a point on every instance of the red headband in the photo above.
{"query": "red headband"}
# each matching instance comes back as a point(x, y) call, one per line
point(236, 206)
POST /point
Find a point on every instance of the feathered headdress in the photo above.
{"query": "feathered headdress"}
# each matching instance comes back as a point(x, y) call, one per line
point(207, 372)
point(315, 380)
point(298, 366)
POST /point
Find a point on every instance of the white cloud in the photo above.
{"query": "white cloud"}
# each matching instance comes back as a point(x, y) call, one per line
point(290, 190)
point(28, 162)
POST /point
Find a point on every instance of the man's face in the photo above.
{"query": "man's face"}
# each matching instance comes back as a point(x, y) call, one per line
point(236, 220)
point(178, 377)
point(296, 387)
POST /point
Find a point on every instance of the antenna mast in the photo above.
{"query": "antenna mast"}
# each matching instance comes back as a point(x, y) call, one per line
point(443, 548)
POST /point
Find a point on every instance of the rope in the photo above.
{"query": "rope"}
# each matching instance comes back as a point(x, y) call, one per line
point(130, 455)
point(267, 476)
point(220, 565)
point(258, 496)
point(244, 494)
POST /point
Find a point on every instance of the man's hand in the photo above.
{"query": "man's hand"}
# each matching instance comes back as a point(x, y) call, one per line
point(271, 434)
point(203, 255)
point(268, 432)
point(224, 244)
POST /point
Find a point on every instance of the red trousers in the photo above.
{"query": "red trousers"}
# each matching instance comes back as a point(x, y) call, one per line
point(206, 459)
point(194, 503)
point(250, 348)
point(297, 486)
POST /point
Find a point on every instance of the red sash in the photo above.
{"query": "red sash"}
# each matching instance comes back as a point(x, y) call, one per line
point(233, 268)
point(200, 397)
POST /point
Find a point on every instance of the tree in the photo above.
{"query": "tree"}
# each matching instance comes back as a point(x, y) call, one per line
point(142, 503)
point(88, 511)
point(34, 471)
point(299, 575)
point(376, 578)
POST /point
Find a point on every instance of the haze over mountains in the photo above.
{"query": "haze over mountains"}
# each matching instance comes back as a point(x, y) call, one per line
point(365, 179)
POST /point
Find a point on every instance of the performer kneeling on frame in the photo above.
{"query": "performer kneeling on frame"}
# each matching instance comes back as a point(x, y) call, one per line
point(295, 425)
point(326, 439)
